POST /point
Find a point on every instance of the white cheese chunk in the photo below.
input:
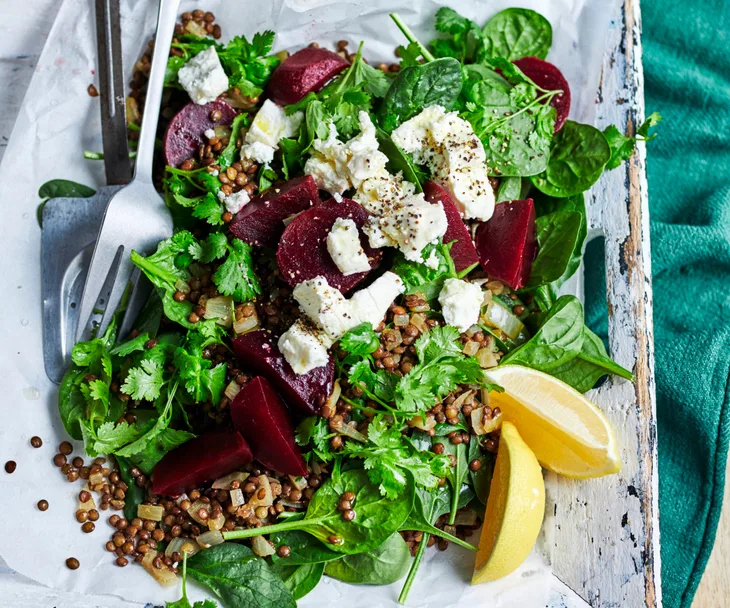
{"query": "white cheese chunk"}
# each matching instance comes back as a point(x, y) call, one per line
point(325, 306)
point(343, 244)
point(432, 261)
point(209, 133)
point(203, 77)
point(461, 303)
point(236, 201)
point(268, 127)
point(371, 304)
point(302, 348)
point(448, 145)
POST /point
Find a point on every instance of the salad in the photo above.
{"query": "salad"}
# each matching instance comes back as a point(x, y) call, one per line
point(355, 348)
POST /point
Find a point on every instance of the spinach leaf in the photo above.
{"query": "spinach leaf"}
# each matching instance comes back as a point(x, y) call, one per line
point(481, 479)
point(578, 156)
point(557, 238)
point(303, 549)
point(239, 578)
point(417, 87)
point(509, 189)
point(71, 401)
point(134, 495)
point(457, 473)
point(375, 520)
point(429, 506)
point(517, 32)
point(183, 602)
point(591, 364)
point(381, 566)
point(559, 340)
point(399, 161)
point(57, 188)
point(300, 580)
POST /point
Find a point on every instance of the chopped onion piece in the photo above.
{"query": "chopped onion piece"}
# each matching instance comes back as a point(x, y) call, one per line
point(232, 390)
point(496, 287)
point(334, 396)
point(267, 497)
point(484, 396)
point(423, 307)
point(401, 320)
point(419, 423)
point(194, 511)
point(183, 286)
point(498, 316)
point(290, 218)
point(88, 505)
point(393, 338)
point(222, 131)
point(298, 482)
point(217, 523)
point(151, 512)
point(419, 322)
point(95, 479)
point(466, 517)
point(237, 498)
point(224, 483)
point(176, 546)
point(133, 115)
point(470, 348)
point(194, 28)
point(486, 358)
point(482, 426)
point(180, 498)
point(208, 539)
point(352, 433)
point(450, 530)
point(243, 325)
point(462, 399)
point(164, 575)
point(261, 546)
point(220, 308)
point(290, 503)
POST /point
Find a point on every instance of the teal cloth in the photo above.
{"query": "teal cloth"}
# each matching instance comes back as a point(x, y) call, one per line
point(687, 72)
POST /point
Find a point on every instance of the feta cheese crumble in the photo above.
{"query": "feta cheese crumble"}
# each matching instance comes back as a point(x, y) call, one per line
point(461, 303)
point(234, 202)
point(432, 261)
point(209, 133)
point(203, 77)
point(343, 244)
point(449, 147)
point(334, 315)
point(302, 348)
point(269, 125)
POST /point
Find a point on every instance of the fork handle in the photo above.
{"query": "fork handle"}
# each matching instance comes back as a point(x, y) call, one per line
point(166, 18)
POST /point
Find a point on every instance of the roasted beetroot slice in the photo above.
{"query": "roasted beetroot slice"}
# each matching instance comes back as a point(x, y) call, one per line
point(303, 253)
point(507, 243)
point(261, 221)
point(463, 251)
point(260, 415)
point(185, 132)
point(547, 76)
point(198, 461)
point(307, 392)
point(306, 71)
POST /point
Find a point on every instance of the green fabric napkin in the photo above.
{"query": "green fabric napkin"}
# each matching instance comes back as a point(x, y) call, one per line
point(687, 71)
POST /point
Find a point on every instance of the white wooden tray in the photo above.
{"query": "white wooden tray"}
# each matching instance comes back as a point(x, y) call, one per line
point(606, 537)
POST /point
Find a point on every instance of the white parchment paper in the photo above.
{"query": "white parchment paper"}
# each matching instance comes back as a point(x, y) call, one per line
point(57, 121)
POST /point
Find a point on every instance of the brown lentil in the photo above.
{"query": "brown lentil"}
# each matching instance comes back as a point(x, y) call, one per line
point(72, 563)
point(36, 442)
point(43, 505)
point(92, 91)
point(59, 460)
point(65, 448)
point(10, 466)
point(88, 527)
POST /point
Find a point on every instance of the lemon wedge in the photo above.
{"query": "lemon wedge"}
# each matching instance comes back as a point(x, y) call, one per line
point(515, 509)
point(567, 433)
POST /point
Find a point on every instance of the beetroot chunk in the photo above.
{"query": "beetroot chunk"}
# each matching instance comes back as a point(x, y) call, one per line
point(200, 460)
point(261, 221)
point(306, 71)
point(507, 243)
point(303, 253)
point(260, 415)
point(307, 392)
point(185, 132)
point(545, 75)
point(463, 251)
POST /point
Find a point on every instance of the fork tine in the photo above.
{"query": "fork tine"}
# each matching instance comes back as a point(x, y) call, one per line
point(102, 261)
point(122, 280)
point(137, 300)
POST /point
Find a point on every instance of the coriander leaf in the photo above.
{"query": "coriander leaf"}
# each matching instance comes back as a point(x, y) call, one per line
point(419, 278)
point(110, 437)
point(209, 209)
point(517, 32)
point(144, 382)
point(409, 55)
point(235, 277)
point(622, 146)
point(651, 121)
point(214, 247)
point(228, 154)
point(201, 380)
point(379, 383)
point(132, 345)
point(360, 340)
point(169, 263)
point(465, 42)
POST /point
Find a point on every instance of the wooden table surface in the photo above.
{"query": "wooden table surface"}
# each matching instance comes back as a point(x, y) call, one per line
point(22, 34)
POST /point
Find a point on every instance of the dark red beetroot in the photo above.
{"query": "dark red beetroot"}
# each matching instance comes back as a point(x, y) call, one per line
point(307, 392)
point(202, 459)
point(260, 415)
point(303, 253)
point(185, 133)
point(462, 251)
point(547, 76)
point(261, 221)
point(507, 243)
point(306, 71)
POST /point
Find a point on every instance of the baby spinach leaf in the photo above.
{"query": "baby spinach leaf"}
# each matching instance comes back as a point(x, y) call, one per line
point(57, 188)
point(300, 580)
point(400, 161)
point(578, 156)
point(183, 602)
point(557, 237)
point(559, 340)
point(481, 479)
point(384, 565)
point(428, 506)
point(417, 87)
point(303, 549)
point(517, 32)
point(134, 495)
point(239, 578)
point(376, 517)
point(71, 402)
point(509, 189)
point(457, 473)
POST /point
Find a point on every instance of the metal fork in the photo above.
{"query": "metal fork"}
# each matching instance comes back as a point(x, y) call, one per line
point(136, 217)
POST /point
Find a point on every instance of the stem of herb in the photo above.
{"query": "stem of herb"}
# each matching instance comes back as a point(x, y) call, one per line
point(414, 568)
point(299, 524)
point(411, 36)
point(452, 539)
